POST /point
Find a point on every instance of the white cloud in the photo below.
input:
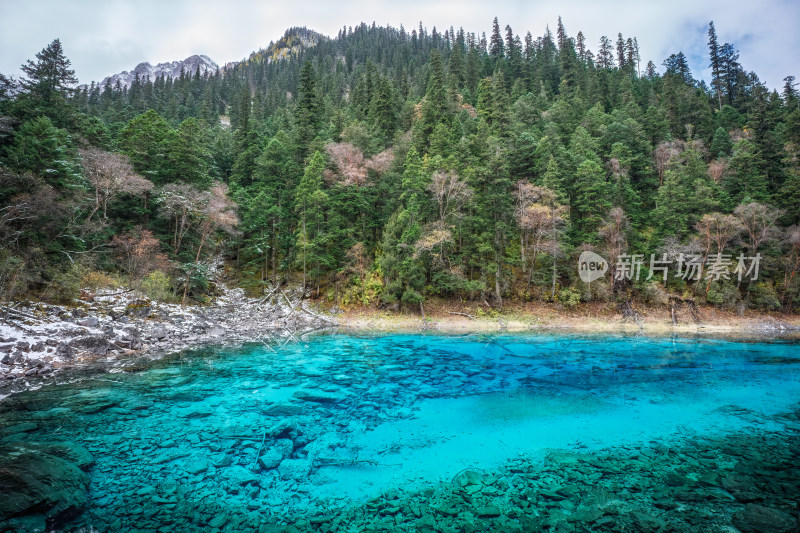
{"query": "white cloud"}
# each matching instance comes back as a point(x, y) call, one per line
point(102, 37)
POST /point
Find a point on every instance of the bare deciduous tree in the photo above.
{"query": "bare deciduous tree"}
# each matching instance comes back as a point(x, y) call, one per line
point(451, 194)
point(218, 214)
point(111, 174)
point(349, 163)
point(717, 169)
point(758, 223)
point(381, 162)
point(539, 217)
point(179, 203)
point(792, 263)
point(351, 167)
point(613, 234)
point(358, 260)
point(716, 231)
point(665, 153)
point(209, 211)
point(433, 242)
point(138, 253)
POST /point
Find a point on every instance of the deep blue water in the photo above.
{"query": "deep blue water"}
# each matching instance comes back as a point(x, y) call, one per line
point(333, 420)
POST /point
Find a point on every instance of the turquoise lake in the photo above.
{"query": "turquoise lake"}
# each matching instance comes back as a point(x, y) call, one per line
point(339, 432)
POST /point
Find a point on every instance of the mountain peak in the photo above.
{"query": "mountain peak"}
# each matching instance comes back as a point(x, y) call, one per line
point(171, 69)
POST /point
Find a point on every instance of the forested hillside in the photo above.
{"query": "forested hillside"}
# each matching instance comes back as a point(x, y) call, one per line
point(387, 167)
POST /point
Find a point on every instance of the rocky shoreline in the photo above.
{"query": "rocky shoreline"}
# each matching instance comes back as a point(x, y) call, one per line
point(39, 341)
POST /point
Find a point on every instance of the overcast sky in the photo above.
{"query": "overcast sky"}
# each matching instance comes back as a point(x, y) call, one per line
point(103, 37)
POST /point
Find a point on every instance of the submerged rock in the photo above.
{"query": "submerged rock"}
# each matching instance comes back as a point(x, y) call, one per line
point(297, 469)
point(467, 478)
point(41, 479)
point(270, 459)
point(758, 519)
point(284, 428)
point(283, 409)
point(315, 395)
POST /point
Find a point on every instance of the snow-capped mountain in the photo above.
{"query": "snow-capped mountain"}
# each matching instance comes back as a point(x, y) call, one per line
point(173, 69)
point(292, 42)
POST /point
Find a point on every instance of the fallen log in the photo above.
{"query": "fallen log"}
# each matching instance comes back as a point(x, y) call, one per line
point(471, 317)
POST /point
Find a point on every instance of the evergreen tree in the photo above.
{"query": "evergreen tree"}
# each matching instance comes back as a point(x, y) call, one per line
point(188, 154)
point(47, 83)
point(145, 140)
point(435, 107)
point(716, 62)
point(47, 151)
point(591, 201)
point(746, 178)
point(721, 144)
point(310, 200)
point(496, 51)
point(306, 113)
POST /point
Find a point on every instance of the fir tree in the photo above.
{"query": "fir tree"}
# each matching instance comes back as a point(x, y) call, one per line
point(496, 51)
point(48, 82)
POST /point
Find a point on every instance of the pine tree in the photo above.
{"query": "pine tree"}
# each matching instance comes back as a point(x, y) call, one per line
point(145, 139)
point(188, 154)
point(306, 113)
point(677, 65)
point(621, 56)
point(48, 83)
point(747, 179)
point(435, 107)
point(591, 201)
point(382, 110)
point(721, 144)
point(496, 51)
point(605, 58)
point(580, 46)
point(47, 151)
point(790, 93)
point(716, 62)
point(456, 66)
point(309, 199)
point(731, 71)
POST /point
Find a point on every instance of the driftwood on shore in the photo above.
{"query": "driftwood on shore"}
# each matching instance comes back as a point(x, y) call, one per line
point(676, 303)
point(471, 317)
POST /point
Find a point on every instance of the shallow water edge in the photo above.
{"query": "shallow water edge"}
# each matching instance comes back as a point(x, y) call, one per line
point(423, 432)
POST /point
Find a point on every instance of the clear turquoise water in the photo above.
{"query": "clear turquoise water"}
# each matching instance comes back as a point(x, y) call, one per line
point(176, 444)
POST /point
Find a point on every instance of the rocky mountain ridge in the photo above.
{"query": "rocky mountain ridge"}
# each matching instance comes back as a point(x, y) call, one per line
point(172, 69)
point(292, 41)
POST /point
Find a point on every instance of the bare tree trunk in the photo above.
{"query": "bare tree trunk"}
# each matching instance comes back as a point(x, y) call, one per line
point(555, 249)
point(200, 248)
point(94, 210)
point(533, 266)
point(96, 207)
point(274, 254)
point(498, 271)
point(497, 275)
point(305, 247)
point(266, 267)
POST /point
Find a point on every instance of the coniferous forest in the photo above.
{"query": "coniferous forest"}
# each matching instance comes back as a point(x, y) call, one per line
point(383, 167)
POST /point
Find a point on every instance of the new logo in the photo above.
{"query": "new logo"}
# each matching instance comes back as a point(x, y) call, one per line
point(591, 267)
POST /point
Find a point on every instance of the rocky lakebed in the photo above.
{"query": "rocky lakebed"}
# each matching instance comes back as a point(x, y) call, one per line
point(343, 432)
